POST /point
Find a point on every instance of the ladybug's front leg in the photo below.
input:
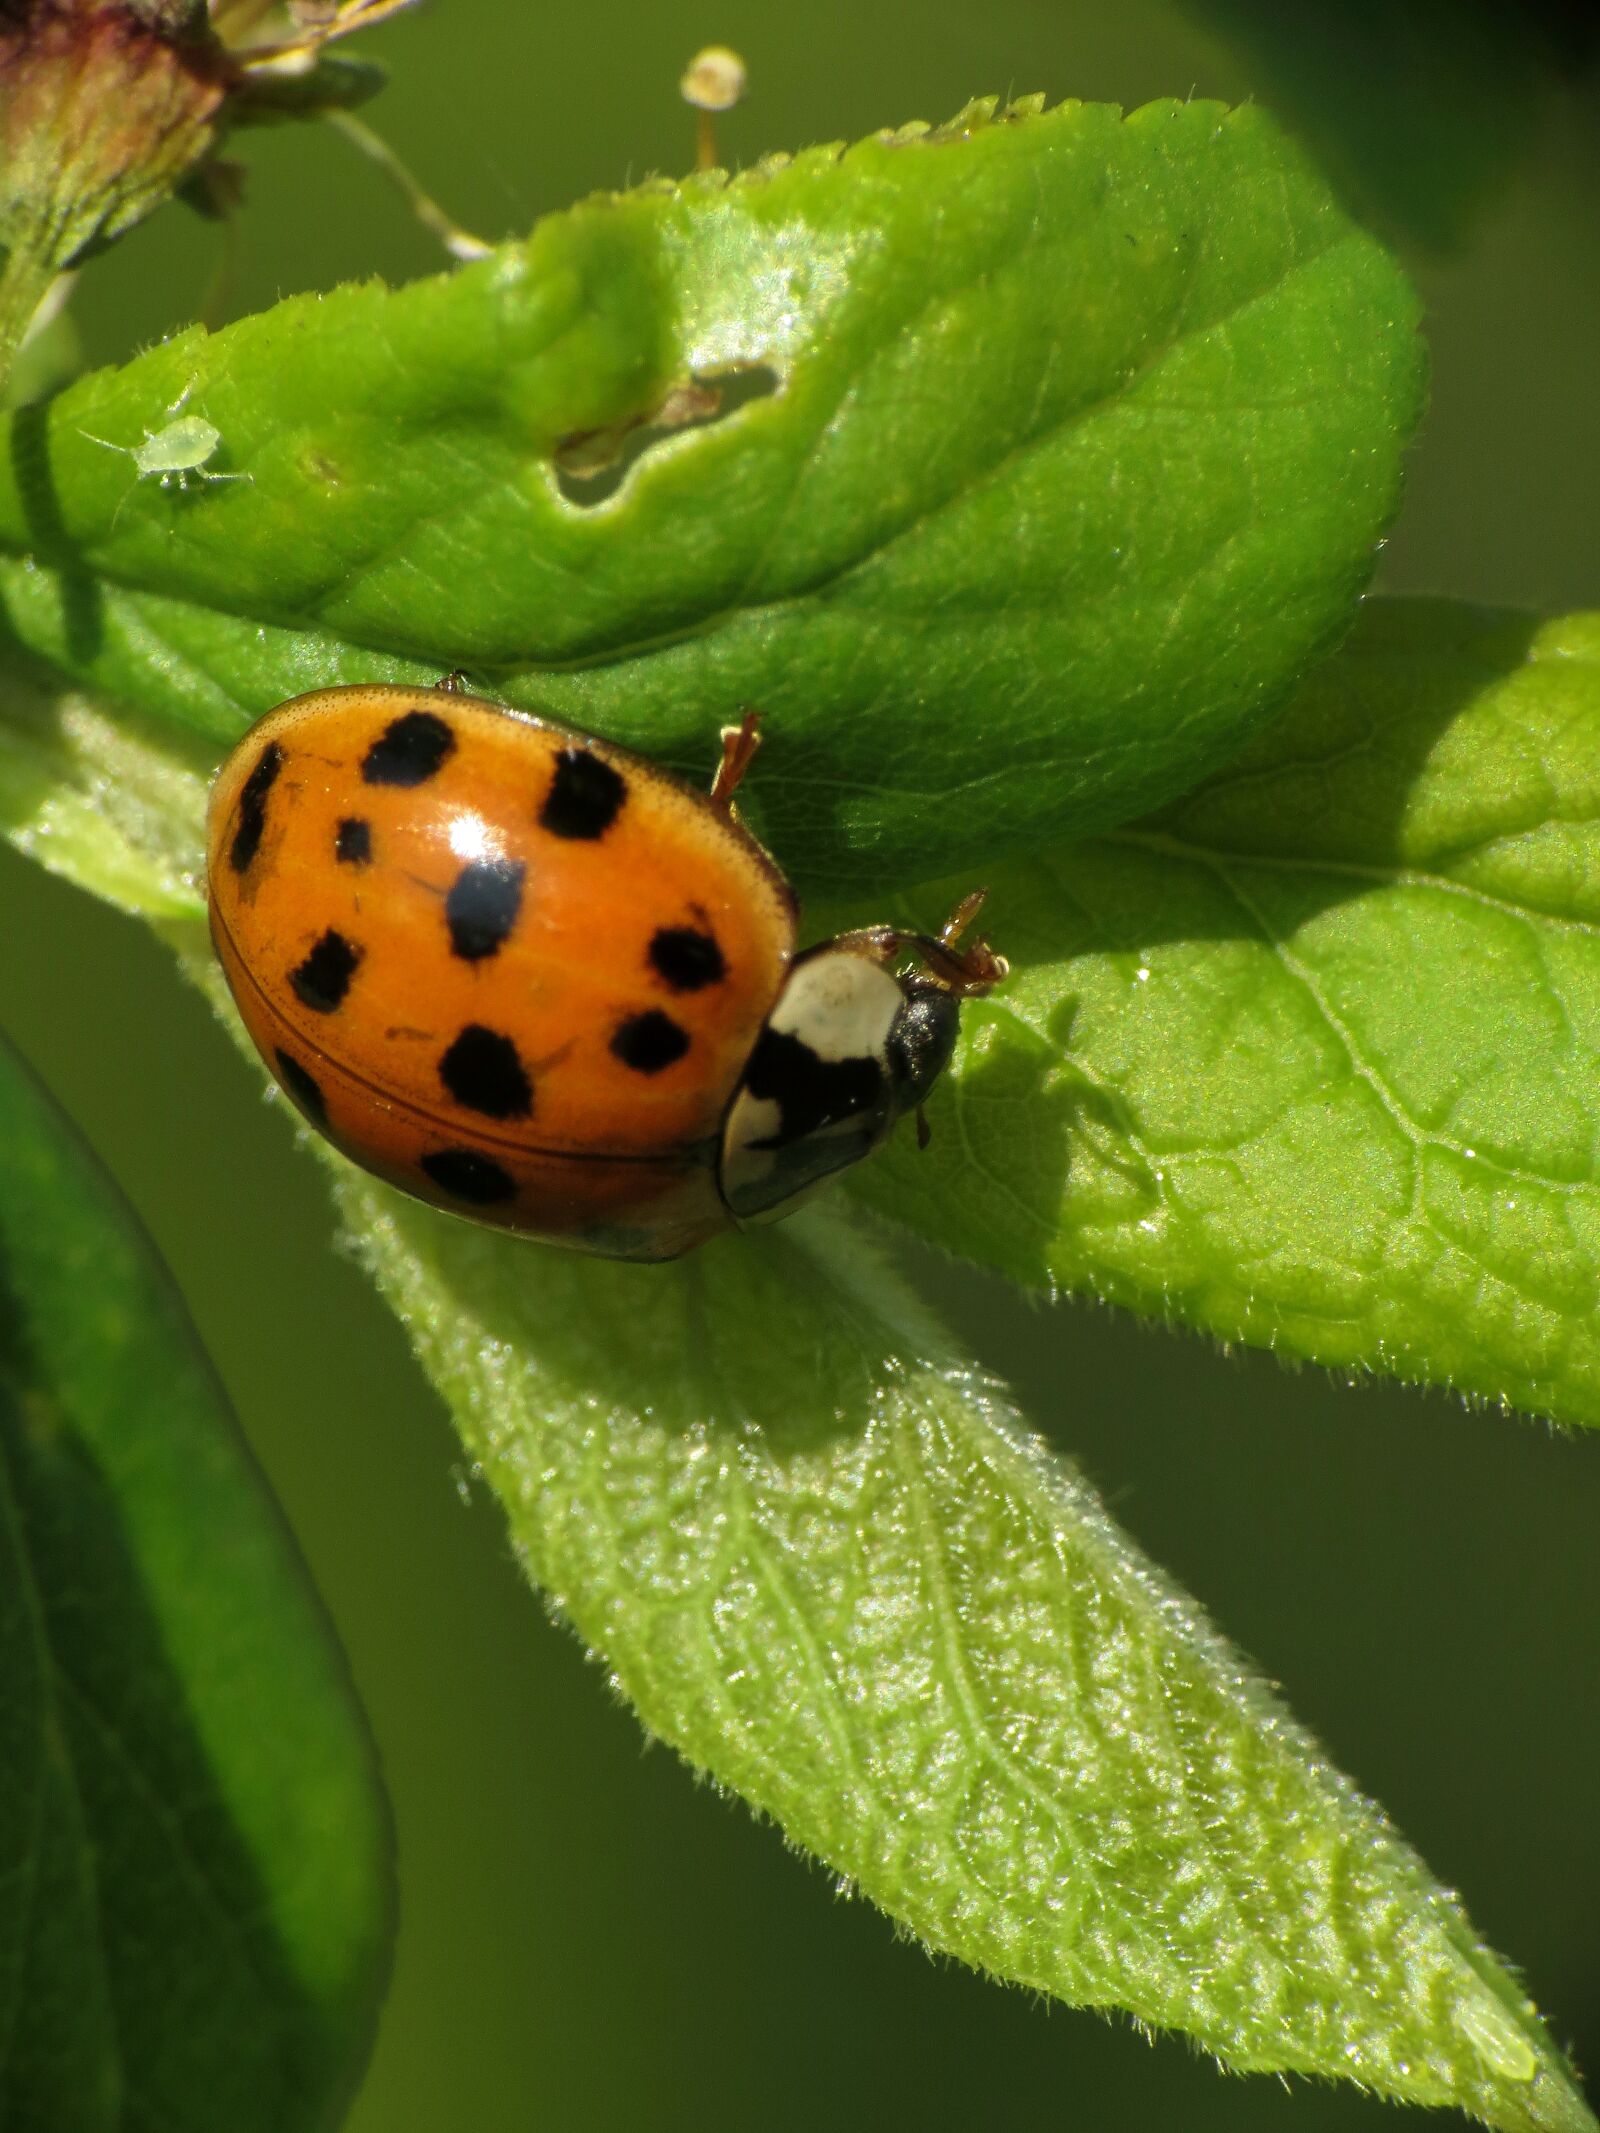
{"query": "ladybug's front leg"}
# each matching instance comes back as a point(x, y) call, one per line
point(964, 972)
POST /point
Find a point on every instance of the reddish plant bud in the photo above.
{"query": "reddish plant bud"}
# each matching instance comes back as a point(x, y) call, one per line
point(108, 106)
point(105, 107)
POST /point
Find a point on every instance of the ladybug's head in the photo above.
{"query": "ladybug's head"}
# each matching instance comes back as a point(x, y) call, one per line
point(850, 1046)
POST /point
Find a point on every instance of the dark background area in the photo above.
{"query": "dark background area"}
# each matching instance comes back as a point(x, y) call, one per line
point(589, 1940)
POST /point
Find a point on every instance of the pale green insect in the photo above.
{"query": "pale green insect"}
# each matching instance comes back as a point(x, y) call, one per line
point(176, 454)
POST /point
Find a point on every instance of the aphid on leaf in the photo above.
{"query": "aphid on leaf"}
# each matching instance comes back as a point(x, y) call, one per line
point(176, 454)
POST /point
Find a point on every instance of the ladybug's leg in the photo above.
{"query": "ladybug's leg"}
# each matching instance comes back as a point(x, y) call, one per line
point(962, 971)
point(453, 684)
point(739, 745)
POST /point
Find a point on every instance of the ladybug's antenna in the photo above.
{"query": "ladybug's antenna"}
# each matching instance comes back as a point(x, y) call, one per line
point(967, 972)
point(962, 916)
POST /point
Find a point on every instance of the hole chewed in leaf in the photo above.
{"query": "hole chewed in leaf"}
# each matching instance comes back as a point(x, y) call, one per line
point(592, 465)
point(1074, 640)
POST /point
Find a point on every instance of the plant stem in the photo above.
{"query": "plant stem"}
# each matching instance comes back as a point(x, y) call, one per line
point(24, 282)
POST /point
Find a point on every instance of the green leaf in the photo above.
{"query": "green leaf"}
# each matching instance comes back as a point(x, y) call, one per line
point(193, 1843)
point(1309, 1059)
point(89, 792)
point(1266, 1136)
point(1077, 437)
point(821, 1556)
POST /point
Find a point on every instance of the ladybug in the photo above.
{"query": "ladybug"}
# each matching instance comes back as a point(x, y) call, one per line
point(529, 976)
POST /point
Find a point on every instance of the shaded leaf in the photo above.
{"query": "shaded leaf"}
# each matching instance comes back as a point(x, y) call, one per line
point(1421, 112)
point(1052, 448)
point(193, 1845)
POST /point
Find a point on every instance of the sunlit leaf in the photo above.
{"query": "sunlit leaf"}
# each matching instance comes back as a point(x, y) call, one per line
point(1310, 1059)
point(821, 1556)
point(1051, 447)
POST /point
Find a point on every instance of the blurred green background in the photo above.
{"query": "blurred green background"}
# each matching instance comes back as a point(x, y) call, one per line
point(589, 1941)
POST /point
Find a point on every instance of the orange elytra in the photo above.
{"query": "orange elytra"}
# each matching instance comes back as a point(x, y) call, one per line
point(533, 978)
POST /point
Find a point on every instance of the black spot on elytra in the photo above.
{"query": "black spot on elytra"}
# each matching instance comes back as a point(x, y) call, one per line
point(323, 979)
point(687, 958)
point(482, 1071)
point(306, 1091)
point(352, 846)
point(649, 1042)
point(482, 907)
point(466, 1175)
point(585, 796)
point(409, 750)
point(810, 1092)
point(251, 819)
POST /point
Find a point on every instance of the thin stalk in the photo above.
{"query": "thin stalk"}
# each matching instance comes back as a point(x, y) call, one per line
point(459, 243)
